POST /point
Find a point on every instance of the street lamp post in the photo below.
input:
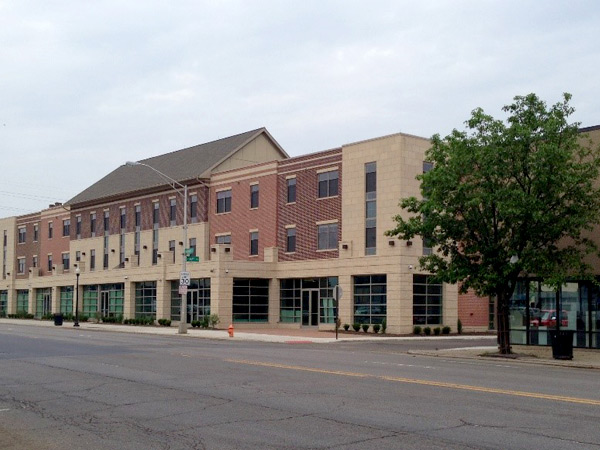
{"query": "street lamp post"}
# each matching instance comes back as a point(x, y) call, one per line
point(76, 322)
point(174, 183)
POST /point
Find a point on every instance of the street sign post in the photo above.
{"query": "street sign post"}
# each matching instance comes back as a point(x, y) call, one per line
point(193, 259)
point(189, 251)
point(337, 295)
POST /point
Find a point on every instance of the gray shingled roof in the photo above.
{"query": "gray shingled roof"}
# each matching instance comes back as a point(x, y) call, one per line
point(181, 165)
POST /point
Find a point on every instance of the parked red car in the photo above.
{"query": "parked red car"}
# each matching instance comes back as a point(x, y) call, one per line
point(548, 319)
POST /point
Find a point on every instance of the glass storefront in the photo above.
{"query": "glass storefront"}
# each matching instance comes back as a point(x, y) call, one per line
point(198, 299)
point(145, 299)
point(43, 302)
point(22, 301)
point(536, 309)
point(370, 298)
point(250, 300)
point(3, 303)
point(106, 299)
point(308, 301)
point(66, 300)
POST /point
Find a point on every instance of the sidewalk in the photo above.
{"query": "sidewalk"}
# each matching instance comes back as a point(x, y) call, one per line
point(582, 358)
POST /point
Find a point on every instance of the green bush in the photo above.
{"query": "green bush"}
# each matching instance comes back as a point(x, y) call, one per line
point(346, 327)
point(205, 322)
point(83, 318)
point(356, 326)
point(459, 326)
point(48, 316)
point(417, 330)
point(195, 323)
point(213, 320)
point(376, 328)
point(164, 322)
point(383, 326)
point(427, 331)
point(365, 327)
point(437, 331)
point(446, 330)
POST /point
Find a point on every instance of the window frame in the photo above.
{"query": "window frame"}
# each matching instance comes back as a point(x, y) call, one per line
point(327, 184)
point(224, 199)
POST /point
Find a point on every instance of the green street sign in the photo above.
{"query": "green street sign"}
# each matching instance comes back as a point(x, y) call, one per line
point(189, 251)
point(193, 259)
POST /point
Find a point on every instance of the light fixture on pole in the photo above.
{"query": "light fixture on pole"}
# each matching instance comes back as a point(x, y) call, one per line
point(76, 322)
point(174, 184)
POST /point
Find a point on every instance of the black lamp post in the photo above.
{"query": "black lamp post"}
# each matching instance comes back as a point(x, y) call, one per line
point(76, 323)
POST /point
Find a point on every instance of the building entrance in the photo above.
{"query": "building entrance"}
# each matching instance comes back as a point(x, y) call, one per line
point(310, 307)
point(47, 304)
point(104, 303)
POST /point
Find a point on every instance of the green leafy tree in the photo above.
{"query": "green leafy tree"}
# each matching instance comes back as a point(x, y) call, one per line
point(508, 199)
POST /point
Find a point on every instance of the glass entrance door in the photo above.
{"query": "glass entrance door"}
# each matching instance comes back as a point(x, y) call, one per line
point(104, 295)
point(47, 305)
point(310, 307)
point(194, 311)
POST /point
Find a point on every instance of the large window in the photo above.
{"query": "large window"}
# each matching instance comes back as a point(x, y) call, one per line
point(294, 310)
point(22, 301)
point(327, 236)
point(224, 201)
point(49, 263)
point(78, 227)
point(198, 299)
point(123, 219)
point(192, 247)
point(93, 224)
point(36, 232)
point(290, 240)
point(50, 230)
point(67, 227)
point(250, 300)
point(253, 243)
point(254, 196)
point(89, 306)
point(22, 235)
point(66, 299)
point(291, 190)
point(3, 303)
point(370, 298)
point(92, 259)
point(145, 299)
point(328, 184)
point(106, 223)
point(427, 301)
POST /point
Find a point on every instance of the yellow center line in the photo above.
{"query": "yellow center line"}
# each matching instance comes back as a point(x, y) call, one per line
point(466, 387)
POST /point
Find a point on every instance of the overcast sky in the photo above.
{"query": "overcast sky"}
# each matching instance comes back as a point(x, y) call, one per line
point(86, 86)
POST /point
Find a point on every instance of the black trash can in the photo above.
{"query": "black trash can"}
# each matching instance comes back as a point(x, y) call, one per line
point(562, 344)
point(58, 320)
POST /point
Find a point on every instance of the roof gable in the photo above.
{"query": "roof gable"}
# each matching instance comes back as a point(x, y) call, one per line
point(182, 165)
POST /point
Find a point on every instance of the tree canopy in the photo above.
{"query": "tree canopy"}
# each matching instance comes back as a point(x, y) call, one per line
point(507, 199)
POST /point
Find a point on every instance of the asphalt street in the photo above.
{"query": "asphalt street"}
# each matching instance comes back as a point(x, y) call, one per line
point(74, 389)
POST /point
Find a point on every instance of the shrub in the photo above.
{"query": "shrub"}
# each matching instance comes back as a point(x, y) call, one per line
point(356, 326)
point(459, 326)
point(164, 322)
point(437, 331)
point(205, 322)
point(48, 316)
point(383, 326)
point(195, 323)
point(83, 318)
point(213, 320)
point(427, 331)
point(417, 330)
point(376, 328)
point(346, 327)
point(446, 330)
point(365, 327)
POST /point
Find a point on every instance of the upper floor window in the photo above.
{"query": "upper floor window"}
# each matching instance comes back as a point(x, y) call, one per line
point(253, 243)
point(123, 221)
point(155, 215)
point(291, 190)
point(92, 259)
point(224, 201)
point(327, 236)
point(50, 230)
point(78, 227)
point(254, 196)
point(93, 224)
point(22, 235)
point(34, 261)
point(427, 166)
point(172, 249)
point(290, 244)
point(224, 239)
point(67, 227)
point(328, 184)
point(138, 217)
point(194, 208)
point(106, 223)
point(36, 232)
point(192, 247)
point(66, 259)
point(49, 263)
point(20, 265)
point(173, 211)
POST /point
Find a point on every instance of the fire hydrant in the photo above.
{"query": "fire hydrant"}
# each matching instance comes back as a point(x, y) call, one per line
point(230, 330)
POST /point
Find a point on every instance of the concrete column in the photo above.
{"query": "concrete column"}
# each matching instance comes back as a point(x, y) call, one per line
point(56, 300)
point(346, 302)
point(163, 299)
point(11, 305)
point(221, 293)
point(274, 303)
point(129, 300)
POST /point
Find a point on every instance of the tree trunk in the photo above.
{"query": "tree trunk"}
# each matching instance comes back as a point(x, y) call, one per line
point(503, 324)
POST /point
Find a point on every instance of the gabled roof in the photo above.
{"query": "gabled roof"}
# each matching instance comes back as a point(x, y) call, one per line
point(182, 165)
